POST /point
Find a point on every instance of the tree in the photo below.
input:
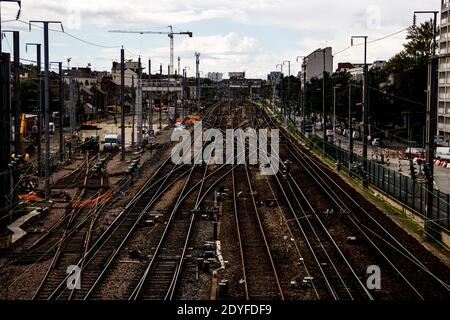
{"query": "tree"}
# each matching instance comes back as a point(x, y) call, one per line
point(406, 94)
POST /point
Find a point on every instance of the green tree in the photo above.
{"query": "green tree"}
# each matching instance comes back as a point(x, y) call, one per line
point(406, 93)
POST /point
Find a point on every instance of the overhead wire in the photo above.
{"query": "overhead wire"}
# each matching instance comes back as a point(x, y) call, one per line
point(371, 41)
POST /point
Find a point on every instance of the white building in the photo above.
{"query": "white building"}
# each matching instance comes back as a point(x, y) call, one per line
point(314, 63)
point(444, 73)
point(215, 76)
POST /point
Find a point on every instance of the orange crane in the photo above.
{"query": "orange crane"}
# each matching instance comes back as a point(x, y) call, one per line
point(170, 34)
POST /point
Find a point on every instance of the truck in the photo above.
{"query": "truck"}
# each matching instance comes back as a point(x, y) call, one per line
point(112, 142)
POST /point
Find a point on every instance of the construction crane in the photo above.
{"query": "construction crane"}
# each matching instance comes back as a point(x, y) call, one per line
point(170, 34)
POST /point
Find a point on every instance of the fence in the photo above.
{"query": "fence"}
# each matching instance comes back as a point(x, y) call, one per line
point(405, 190)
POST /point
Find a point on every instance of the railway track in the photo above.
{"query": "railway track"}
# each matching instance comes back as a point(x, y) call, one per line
point(337, 277)
point(97, 259)
point(75, 217)
point(396, 256)
point(70, 239)
point(161, 277)
point(260, 276)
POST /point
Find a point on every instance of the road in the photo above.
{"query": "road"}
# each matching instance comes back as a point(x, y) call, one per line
point(442, 176)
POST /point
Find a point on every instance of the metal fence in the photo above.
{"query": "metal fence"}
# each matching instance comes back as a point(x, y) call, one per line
point(405, 190)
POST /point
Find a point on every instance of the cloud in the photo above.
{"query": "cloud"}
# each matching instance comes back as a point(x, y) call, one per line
point(309, 23)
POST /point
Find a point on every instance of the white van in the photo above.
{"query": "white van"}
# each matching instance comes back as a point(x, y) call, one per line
point(112, 141)
point(443, 153)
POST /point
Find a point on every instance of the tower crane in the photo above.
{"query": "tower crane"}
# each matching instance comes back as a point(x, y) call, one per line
point(170, 34)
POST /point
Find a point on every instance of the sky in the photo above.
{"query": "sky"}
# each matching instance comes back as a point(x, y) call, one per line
point(233, 35)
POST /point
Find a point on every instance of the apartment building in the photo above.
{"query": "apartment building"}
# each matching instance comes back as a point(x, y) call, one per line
point(314, 63)
point(444, 74)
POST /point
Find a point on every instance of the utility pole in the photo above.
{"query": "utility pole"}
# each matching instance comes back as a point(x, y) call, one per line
point(323, 100)
point(184, 84)
point(431, 229)
point(197, 74)
point(273, 95)
point(289, 90)
point(150, 101)
point(47, 102)
point(139, 104)
point(304, 66)
point(39, 107)
point(5, 136)
point(365, 110)
point(72, 115)
point(350, 123)
point(17, 101)
point(334, 112)
point(61, 110)
point(281, 87)
point(132, 113)
point(17, 18)
point(122, 92)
